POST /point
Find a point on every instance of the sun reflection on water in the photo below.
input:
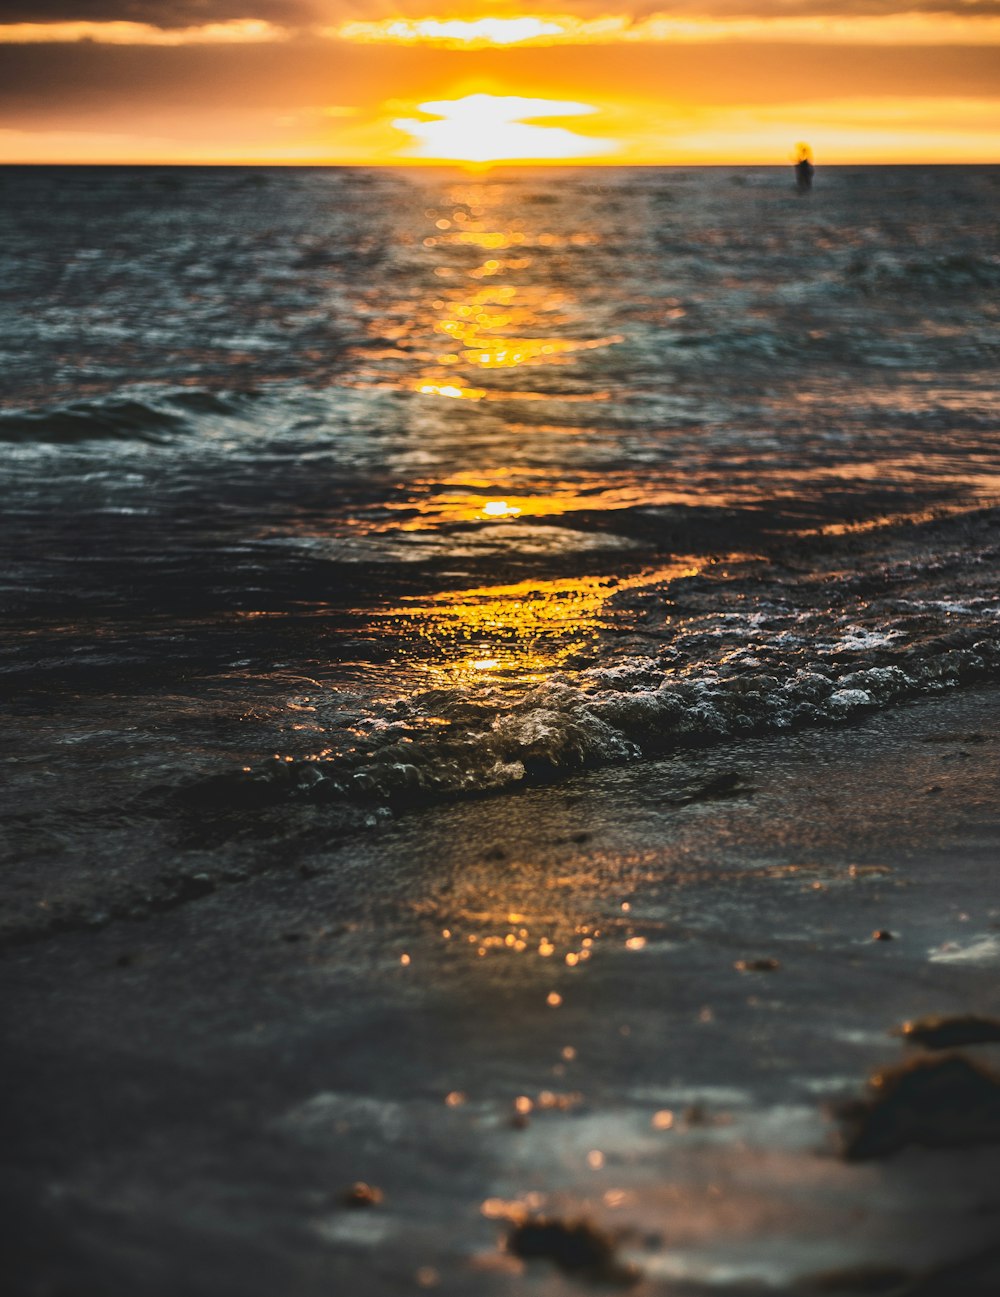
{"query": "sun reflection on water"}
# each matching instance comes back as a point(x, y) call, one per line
point(490, 325)
point(495, 293)
point(500, 509)
point(472, 497)
point(515, 633)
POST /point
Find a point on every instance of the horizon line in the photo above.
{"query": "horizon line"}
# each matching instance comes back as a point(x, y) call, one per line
point(551, 164)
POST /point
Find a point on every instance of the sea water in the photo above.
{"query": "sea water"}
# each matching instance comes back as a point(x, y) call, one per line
point(331, 492)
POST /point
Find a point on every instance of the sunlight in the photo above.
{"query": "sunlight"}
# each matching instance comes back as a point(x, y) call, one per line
point(972, 25)
point(521, 632)
point(454, 33)
point(452, 390)
point(492, 128)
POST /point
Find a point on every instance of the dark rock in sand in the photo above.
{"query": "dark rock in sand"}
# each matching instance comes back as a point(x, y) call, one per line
point(941, 1102)
point(766, 965)
point(951, 1032)
point(577, 1247)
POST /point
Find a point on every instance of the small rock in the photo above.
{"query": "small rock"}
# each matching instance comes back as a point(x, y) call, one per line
point(766, 965)
point(939, 1102)
point(577, 1247)
point(951, 1032)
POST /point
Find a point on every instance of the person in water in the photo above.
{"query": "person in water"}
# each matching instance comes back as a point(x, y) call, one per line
point(804, 169)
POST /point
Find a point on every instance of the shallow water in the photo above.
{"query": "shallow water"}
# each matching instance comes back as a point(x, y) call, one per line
point(354, 489)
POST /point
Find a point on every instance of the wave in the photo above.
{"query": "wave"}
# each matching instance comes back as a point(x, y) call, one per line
point(955, 272)
point(451, 743)
point(151, 419)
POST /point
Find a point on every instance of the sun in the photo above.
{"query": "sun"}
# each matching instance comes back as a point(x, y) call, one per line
point(483, 128)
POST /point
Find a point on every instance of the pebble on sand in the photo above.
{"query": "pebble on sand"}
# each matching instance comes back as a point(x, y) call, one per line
point(575, 1246)
point(766, 965)
point(951, 1032)
point(939, 1102)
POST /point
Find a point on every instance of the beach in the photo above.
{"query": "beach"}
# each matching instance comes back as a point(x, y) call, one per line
point(194, 1093)
point(500, 699)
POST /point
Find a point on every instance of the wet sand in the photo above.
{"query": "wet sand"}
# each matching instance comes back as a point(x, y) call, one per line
point(628, 997)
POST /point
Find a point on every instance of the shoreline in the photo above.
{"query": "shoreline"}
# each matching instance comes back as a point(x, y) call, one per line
point(190, 1096)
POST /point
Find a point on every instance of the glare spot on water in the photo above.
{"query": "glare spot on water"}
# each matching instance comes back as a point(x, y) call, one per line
point(523, 632)
point(451, 390)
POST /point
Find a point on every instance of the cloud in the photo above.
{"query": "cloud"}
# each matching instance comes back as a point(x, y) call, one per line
point(238, 31)
point(634, 22)
point(799, 20)
point(167, 14)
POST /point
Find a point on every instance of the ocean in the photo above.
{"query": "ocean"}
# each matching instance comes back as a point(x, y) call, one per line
point(366, 488)
point(485, 653)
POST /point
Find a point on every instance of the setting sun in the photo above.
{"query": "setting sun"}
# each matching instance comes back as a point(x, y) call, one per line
point(249, 82)
point(494, 128)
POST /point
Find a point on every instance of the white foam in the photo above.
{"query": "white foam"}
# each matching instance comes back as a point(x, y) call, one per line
point(981, 949)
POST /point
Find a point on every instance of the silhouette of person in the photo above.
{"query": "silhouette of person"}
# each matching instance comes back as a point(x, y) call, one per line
point(803, 168)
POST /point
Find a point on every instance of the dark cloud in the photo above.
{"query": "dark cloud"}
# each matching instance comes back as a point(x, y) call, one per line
point(303, 13)
point(160, 13)
point(73, 83)
point(763, 9)
point(832, 8)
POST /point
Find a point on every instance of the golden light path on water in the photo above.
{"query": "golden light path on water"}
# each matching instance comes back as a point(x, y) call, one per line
point(519, 633)
point(488, 312)
point(470, 498)
point(506, 311)
point(489, 301)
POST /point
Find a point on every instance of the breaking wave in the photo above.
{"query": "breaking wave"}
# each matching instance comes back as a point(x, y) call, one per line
point(444, 744)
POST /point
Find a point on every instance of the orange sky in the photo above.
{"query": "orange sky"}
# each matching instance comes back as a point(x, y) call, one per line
point(363, 81)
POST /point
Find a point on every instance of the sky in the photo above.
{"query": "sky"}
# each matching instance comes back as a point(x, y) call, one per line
point(432, 81)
